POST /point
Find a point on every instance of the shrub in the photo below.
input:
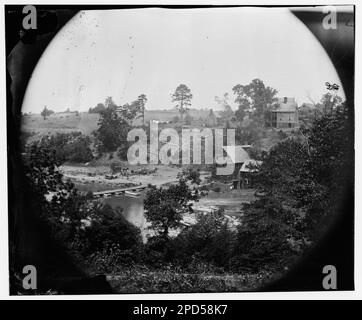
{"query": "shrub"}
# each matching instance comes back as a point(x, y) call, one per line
point(209, 241)
point(108, 229)
point(78, 150)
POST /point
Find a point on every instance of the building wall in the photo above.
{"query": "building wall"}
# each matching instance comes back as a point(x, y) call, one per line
point(285, 119)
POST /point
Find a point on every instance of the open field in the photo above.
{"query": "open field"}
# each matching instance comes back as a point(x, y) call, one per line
point(64, 123)
point(88, 122)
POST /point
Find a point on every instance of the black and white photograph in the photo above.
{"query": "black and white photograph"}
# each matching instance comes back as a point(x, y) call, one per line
point(180, 149)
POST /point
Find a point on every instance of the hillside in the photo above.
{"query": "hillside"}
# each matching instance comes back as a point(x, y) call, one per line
point(86, 122)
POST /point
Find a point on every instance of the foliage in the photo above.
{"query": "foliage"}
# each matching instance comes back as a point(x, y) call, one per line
point(78, 150)
point(190, 174)
point(109, 229)
point(165, 207)
point(112, 129)
point(133, 110)
point(262, 237)
point(227, 113)
point(68, 146)
point(97, 109)
point(254, 99)
point(209, 240)
point(169, 278)
point(89, 230)
point(330, 102)
point(182, 96)
point(250, 134)
point(46, 112)
point(282, 135)
point(142, 100)
point(331, 147)
point(299, 185)
point(115, 123)
point(256, 153)
point(57, 201)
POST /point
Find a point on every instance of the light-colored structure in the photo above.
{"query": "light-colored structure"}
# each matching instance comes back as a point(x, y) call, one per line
point(244, 165)
point(286, 114)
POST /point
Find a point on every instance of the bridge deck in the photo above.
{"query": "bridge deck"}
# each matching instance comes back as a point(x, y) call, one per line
point(99, 193)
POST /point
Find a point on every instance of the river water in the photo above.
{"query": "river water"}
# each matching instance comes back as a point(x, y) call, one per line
point(133, 210)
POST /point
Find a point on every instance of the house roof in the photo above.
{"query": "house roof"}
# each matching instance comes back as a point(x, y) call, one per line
point(236, 154)
point(289, 106)
point(247, 163)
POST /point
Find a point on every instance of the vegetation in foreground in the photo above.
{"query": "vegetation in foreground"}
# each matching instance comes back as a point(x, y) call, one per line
point(300, 183)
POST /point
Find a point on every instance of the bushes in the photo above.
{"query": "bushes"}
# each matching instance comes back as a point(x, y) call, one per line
point(78, 150)
point(69, 146)
point(190, 174)
point(262, 239)
point(210, 241)
point(109, 230)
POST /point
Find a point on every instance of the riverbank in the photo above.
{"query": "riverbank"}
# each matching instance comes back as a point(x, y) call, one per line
point(100, 178)
point(97, 178)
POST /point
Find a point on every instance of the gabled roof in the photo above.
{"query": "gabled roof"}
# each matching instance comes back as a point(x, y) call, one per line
point(236, 154)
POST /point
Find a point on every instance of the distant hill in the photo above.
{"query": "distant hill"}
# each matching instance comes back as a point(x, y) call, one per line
point(169, 115)
point(87, 122)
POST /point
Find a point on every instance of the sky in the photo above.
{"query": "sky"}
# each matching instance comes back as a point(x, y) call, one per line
point(125, 53)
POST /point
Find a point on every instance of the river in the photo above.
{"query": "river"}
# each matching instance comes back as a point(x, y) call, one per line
point(133, 210)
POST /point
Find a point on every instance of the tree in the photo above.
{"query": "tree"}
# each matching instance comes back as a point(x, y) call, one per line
point(109, 103)
point(64, 210)
point(78, 150)
point(142, 100)
point(182, 96)
point(227, 113)
point(97, 109)
point(190, 174)
point(133, 110)
point(109, 227)
point(330, 102)
point(331, 148)
point(56, 201)
point(254, 98)
point(165, 207)
point(208, 240)
point(112, 129)
point(300, 186)
point(250, 134)
point(46, 112)
point(73, 146)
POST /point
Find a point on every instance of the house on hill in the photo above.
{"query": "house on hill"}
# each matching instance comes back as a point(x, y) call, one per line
point(286, 114)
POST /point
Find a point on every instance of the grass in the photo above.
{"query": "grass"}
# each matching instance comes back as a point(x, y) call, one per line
point(138, 280)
